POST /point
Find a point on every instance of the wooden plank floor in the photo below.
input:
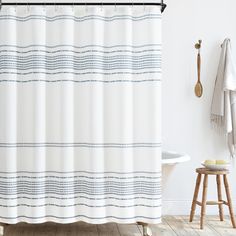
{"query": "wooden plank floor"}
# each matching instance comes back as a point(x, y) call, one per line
point(171, 226)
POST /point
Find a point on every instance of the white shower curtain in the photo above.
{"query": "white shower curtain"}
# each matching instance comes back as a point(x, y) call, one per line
point(80, 102)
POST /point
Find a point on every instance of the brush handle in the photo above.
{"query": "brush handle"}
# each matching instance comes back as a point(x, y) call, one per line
point(198, 67)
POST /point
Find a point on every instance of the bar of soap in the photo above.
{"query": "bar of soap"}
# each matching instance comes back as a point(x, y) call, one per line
point(221, 162)
point(210, 162)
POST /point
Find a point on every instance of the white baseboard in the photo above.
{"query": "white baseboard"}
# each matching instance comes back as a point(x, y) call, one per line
point(183, 207)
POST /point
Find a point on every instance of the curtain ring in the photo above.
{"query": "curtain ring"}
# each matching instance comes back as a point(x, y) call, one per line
point(44, 6)
point(16, 7)
point(28, 7)
point(55, 5)
point(101, 6)
point(131, 5)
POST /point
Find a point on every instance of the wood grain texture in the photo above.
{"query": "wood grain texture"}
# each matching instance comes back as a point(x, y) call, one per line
point(195, 197)
point(129, 230)
point(204, 197)
point(209, 231)
point(219, 193)
point(180, 226)
point(108, 229)
point(230, 205)
point(171, 226)
point(223, 228)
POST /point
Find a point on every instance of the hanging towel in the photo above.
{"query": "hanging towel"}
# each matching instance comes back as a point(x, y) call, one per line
point(223, 109)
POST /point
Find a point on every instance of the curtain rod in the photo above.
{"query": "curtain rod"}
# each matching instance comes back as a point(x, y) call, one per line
point(162, 4)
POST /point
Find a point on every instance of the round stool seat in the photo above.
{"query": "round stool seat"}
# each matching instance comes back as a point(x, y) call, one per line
point(206, 171)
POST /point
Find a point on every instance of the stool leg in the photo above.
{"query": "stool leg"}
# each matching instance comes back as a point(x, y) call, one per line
point(219, 197)
point(229, 201)
point(196, 191)
point(204, 195)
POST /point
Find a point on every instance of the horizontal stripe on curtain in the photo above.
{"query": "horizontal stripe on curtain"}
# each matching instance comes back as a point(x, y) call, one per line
point(80, 101)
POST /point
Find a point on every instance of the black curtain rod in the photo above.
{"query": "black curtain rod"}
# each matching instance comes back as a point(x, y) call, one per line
point(162, 4)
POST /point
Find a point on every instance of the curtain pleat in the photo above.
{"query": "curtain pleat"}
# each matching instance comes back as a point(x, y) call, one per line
point(80, 122)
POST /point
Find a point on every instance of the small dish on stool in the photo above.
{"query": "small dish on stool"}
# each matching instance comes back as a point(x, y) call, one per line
point(216, 166)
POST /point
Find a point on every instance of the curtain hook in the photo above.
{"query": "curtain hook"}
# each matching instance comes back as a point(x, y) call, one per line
point(73, 6)
point(86, 7)
point(115, 6)
point(0, 5)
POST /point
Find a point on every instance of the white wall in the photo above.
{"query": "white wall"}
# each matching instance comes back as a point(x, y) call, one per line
point(186, 126)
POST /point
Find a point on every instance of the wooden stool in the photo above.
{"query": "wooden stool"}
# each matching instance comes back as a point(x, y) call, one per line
point(220, 202)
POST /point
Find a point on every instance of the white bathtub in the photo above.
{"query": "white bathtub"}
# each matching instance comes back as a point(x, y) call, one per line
point(174, 157)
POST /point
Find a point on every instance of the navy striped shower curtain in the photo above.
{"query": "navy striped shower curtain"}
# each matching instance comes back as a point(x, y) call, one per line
point(80, 102)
